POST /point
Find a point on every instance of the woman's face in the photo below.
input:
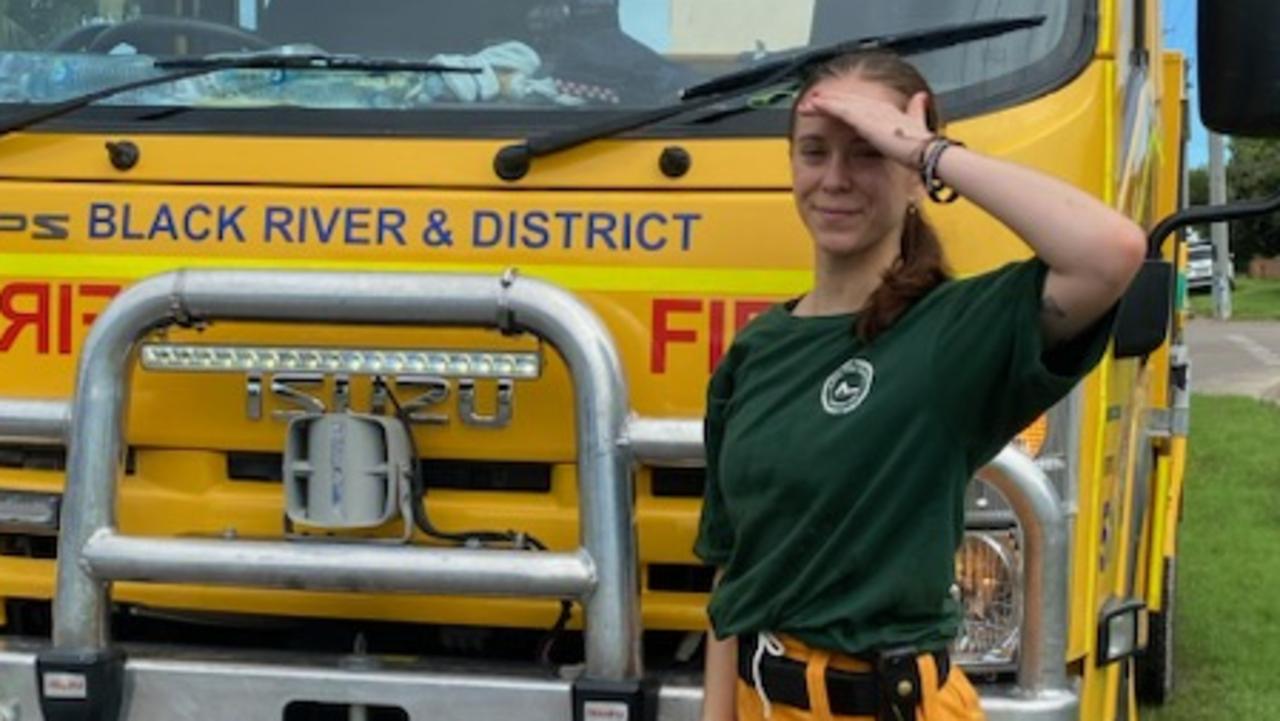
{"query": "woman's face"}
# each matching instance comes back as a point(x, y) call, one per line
point(850, 197)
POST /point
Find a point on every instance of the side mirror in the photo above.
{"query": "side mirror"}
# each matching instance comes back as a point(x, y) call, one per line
point(1143, 318)
point(1239, 57)
point(1142, 321)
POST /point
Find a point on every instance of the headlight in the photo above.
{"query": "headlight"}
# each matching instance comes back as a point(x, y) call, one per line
point(987, 575)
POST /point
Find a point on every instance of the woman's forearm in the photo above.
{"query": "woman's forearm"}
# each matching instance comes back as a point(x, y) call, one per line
point(720, 679)
point(720, 674)
point(1073, 232)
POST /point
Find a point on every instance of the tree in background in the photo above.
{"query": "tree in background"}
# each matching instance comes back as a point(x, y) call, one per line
point(1198, 194)
point(1254, 172)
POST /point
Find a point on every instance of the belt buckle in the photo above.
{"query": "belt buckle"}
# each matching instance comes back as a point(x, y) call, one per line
point(898, 679)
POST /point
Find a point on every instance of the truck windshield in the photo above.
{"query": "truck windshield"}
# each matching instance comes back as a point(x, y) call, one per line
point(530, 55)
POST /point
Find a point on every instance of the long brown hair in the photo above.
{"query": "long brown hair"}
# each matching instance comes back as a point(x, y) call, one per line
point(921, 266)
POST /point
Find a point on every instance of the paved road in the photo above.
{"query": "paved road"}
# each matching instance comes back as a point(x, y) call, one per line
point(1241, 357)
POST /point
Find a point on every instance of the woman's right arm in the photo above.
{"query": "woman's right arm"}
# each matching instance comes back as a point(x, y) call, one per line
point(720, 676)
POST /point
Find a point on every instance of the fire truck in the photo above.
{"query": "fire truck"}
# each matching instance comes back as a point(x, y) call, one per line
point(353, 354)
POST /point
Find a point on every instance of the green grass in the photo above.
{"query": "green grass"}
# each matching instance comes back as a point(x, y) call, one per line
point(1227, 628)
point(1253, 299)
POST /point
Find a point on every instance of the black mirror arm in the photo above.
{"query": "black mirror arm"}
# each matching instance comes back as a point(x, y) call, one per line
point(1142, 321)
point(1197, 214)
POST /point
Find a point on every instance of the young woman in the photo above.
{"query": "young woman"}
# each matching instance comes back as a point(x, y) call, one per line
point(843, 426)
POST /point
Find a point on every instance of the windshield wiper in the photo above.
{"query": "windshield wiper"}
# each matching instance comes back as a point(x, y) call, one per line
point(512, 162)
point(184, 68)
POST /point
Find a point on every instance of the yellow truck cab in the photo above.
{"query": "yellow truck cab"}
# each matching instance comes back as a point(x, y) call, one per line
point(353, 354)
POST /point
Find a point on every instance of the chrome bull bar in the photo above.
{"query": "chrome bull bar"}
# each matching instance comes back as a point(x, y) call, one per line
point(34, 421)
point(602, 573)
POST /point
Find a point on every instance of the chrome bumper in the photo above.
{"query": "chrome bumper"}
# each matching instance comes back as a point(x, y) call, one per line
point(211, 686)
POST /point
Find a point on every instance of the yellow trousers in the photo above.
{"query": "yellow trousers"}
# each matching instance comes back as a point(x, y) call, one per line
point(954, 701)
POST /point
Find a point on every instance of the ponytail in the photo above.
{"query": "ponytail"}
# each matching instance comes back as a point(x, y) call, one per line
point(919, 269)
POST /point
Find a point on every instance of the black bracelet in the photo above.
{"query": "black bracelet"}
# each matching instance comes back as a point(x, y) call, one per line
point(938, 191)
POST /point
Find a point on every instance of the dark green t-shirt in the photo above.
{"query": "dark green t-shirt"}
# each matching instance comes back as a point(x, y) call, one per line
point(836, 471)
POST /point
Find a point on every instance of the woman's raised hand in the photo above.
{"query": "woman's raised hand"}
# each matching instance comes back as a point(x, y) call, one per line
point(899, 135)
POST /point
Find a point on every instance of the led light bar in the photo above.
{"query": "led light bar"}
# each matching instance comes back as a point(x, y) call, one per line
point(356, 361)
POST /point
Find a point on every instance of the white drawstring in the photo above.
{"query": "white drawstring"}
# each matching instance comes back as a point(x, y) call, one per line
point(764, 642)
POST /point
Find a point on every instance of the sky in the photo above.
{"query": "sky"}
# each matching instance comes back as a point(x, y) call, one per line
point(1180, 33)
point(647, 21)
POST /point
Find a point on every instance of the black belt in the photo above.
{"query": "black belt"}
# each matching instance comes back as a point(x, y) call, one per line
point(895, 682)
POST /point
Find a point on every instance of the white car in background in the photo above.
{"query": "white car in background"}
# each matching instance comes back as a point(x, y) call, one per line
point(1200, 267)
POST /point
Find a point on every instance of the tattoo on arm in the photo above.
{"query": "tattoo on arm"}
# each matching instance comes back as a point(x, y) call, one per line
point(1051, 310)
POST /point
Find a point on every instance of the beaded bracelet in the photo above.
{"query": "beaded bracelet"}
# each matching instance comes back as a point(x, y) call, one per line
point(939, 191)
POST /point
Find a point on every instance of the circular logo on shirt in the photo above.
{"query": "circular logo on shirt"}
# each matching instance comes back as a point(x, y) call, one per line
point(847, 387)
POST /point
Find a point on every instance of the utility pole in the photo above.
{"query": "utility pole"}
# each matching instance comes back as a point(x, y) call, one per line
point(1218, 232)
